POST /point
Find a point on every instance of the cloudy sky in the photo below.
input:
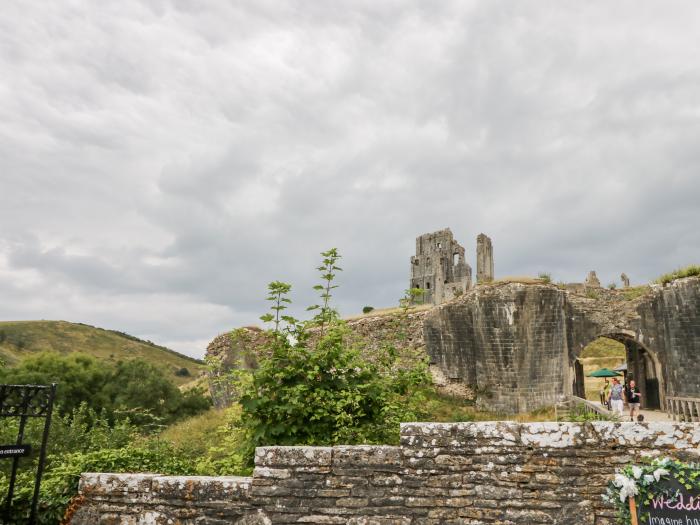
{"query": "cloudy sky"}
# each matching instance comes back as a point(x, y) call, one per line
point(162, 160)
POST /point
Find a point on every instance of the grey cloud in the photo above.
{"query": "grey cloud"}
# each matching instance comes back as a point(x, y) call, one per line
point(160, 162)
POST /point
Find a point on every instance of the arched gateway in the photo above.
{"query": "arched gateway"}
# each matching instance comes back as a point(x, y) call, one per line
point(518, 344)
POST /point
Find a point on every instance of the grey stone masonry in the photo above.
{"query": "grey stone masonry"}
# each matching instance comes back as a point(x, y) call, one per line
point(484, 259)
point(439, 267)
point(442, 473)
point(518, 345)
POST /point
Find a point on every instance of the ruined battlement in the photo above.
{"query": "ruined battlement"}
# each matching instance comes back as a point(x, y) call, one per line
point(439, 267)
point(441, 474)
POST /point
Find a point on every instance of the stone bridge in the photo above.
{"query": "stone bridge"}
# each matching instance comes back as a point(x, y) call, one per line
point(518, 344)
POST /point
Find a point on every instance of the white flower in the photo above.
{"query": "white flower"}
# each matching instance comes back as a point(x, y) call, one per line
point(660, 472)
point(620, 480)
point(648, 478)
point(628, 490)
point(637, 472)
point(627, 486)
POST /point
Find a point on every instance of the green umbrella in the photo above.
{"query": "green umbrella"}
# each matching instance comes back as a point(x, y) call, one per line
point(604, 372)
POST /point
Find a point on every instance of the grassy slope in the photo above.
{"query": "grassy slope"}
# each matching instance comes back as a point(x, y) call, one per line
point(601, 353)
point(19, 339)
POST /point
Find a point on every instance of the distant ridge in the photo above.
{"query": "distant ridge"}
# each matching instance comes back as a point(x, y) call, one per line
point(20, 339)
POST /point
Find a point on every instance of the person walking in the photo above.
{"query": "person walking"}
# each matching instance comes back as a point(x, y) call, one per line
point(615, 398)
point(634, 398)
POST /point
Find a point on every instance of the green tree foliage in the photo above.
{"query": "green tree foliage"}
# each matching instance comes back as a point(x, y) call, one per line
point(135, 389)
point(81, 377)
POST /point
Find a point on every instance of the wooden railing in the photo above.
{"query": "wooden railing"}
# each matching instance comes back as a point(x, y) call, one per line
point(683, 408)
point(578, 405)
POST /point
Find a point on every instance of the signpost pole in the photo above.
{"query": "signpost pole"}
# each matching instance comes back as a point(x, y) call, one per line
point(15, 459)
point(42, 454)
point(633, 511)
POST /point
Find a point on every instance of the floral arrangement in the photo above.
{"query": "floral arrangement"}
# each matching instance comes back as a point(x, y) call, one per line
point(643, 482)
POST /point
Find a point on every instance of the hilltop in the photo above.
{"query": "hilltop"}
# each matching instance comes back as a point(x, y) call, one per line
point(19, 339)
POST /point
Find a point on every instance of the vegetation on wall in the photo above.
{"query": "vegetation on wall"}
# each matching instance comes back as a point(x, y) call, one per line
point(689, 271)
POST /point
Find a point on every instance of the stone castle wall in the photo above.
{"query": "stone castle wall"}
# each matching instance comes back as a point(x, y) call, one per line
point(517, 343)
point(442, 473)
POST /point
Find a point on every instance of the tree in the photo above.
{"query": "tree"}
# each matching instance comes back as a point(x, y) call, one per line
point(81, 378)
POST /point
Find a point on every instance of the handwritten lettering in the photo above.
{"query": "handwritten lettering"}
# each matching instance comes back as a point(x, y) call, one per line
point(685, 520)
point(680, 503)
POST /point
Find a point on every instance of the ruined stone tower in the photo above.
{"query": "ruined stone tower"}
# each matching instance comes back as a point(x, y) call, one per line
point(439, 267)
point(484, 259)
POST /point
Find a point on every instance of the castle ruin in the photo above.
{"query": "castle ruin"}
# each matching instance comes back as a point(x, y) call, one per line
point(439, 268)
point(484, 259)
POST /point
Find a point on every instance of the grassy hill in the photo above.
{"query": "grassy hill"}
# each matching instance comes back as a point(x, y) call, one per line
point(19, 339)
point(601, 353)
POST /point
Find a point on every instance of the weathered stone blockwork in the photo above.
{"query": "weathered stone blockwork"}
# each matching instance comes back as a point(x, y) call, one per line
point(449, 473)
point(518, 343)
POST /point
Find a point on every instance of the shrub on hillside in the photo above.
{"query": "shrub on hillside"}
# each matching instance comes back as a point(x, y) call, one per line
point(367, 309)
point(135, 389)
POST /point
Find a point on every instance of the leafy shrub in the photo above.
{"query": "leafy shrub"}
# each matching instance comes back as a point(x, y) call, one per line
point(612, 286)
point(323, 395)
point(182, 372)
point(320, 389)
point(367, 309)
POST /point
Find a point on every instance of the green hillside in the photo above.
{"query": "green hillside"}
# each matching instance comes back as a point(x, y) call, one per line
point(18, 339)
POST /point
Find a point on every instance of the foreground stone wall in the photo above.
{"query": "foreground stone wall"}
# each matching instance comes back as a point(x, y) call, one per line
point(452, 473)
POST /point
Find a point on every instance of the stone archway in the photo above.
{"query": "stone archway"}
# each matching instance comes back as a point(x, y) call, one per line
point(517, 343)
point(643, 366)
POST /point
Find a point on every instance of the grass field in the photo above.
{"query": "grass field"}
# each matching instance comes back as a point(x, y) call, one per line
point(19, 339)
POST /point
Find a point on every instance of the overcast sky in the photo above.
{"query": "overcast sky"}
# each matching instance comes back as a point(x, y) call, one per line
point(162, 161)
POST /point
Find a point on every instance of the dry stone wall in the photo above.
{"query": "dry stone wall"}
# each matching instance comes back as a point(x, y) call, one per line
point(442, 473)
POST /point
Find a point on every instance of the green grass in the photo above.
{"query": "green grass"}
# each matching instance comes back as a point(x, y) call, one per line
point(196, 434)
point(604, 347)
point(635, 291)
point(689, 271)
point(19, 339)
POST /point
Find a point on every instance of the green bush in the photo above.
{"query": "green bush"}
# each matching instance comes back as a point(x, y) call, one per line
point(135, 389)
point(60, 483)
point(367, 309)
point(546, 278)
point(326, 393)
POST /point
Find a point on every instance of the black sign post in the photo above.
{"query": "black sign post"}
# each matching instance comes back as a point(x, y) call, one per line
point(24, 402)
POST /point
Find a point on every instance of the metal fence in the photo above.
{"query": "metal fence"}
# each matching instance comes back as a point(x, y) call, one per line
point(23, 402)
